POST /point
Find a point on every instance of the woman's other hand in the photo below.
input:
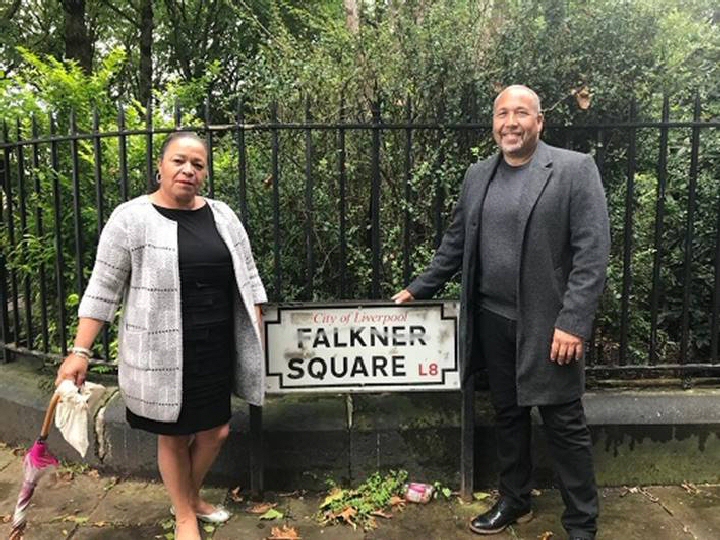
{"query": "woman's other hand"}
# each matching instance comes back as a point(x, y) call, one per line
point(74, 368)
point(76, 363)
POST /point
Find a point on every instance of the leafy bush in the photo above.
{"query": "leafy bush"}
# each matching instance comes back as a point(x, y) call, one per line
point(438, 62)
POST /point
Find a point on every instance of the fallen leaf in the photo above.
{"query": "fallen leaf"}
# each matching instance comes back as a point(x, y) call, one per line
point(18, 451)
point(334, 495)
point(93, 473)
point(6, 518)
point(583, 97)
point(100, 524)
point(272, 514)
point(64, 477)
point(348, 516)
point(397, 501)
point(480, 495)
point(284, 533)
point(648, 495)
point(235, 495)
point(546, 535)
point(112, 482)
point(380, 513)
point(80, 520)
point(261, 508)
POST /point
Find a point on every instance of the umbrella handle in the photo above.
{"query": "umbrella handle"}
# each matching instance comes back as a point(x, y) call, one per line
point(49, 416)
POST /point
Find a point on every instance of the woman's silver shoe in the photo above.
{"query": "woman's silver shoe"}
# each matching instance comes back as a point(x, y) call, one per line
point(216, 517)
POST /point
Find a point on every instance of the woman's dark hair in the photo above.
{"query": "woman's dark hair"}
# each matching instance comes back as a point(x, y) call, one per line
point(180, 135)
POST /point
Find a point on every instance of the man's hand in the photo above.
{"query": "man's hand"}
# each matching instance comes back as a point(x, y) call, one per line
point(73, 368)
point(565, 348)
point(403, 296)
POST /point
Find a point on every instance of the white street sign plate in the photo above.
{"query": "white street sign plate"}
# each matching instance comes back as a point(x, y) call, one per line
point(369, 347)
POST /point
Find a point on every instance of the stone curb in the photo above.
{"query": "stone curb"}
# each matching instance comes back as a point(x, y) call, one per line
point(640, 436)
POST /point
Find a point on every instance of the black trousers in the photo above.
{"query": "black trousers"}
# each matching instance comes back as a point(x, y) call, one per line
point(568, 436)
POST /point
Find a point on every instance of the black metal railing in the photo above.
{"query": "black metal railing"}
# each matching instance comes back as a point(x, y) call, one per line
point(328, 200)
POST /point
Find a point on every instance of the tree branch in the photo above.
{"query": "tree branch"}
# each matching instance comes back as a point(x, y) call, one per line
point(113, 7)
point(11, 11)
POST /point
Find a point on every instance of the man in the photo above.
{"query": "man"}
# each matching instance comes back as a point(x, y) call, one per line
point(530, 231)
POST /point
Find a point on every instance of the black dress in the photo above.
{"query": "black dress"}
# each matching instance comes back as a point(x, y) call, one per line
point(206, 289)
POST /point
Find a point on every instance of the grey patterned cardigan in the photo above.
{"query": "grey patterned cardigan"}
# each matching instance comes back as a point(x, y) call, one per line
point(137, 263)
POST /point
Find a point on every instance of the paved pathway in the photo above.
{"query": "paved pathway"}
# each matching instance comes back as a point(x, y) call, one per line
point(84, 505)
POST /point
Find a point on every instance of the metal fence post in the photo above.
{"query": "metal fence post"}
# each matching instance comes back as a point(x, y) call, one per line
point(149, 158)
point(257, 463)
point(342, 187)
point(467, 440)
point(4, 330)
point(375, 241)
point(4, 324)
point(689, 233)
point(628, 240)
point(659, 227)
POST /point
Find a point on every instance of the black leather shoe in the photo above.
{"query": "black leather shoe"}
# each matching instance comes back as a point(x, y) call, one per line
point(499, 517)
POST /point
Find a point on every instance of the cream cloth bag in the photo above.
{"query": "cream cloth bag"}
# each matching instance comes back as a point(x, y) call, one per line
point(71, 414)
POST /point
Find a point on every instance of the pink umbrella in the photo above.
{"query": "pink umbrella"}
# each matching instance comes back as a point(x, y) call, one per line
point(37, 461)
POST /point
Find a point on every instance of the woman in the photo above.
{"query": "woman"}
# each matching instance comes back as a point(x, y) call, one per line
point(190, 328)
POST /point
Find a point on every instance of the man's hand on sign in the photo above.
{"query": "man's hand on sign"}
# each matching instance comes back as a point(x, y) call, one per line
point(403, 297)
point(565, 348)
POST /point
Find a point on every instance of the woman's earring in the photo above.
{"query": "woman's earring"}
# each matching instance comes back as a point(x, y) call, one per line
point(157, 177)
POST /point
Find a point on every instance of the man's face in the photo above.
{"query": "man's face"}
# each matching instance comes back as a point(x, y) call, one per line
point(516, 125)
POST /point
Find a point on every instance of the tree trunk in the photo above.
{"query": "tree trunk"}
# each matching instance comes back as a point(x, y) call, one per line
point(146, 41)
point(11, 11)
point(78, 45)
point(352, 15)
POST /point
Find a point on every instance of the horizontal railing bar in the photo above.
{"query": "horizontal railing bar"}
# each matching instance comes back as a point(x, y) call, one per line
point(656, 367)
point(685, 368)
point(55, 358)
point(354, 126)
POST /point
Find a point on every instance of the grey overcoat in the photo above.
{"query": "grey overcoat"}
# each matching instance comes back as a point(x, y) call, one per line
point(565, 238)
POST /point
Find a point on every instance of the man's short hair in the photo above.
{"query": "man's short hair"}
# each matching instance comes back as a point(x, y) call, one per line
point(536, 98)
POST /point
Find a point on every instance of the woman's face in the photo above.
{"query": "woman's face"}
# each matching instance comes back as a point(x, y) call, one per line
point(183, 169)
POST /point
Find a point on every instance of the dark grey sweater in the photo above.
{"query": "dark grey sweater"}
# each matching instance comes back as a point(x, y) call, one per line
point(499, 249)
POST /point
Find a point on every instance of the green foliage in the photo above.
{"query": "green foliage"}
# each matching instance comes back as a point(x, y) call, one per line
point(446, 59)
point(374, 495)
point(43, 85)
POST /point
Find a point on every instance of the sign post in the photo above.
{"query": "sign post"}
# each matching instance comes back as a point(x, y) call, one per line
point(350, 347)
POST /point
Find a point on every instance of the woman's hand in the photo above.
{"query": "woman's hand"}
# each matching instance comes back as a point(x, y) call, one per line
point(74, 368)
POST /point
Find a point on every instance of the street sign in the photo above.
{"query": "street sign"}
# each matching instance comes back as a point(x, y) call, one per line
point(369, 347)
